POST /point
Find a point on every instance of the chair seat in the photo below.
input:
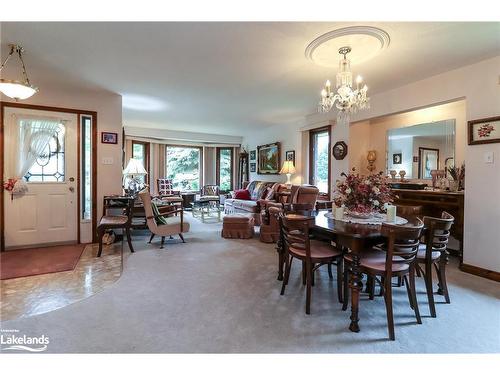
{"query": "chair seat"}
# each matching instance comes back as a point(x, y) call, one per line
point(319, 250)
point(172, 199)
point(421, 253)
point(375, 260)
point(113, 220)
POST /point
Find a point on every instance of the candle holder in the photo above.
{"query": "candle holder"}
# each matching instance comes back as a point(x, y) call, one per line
point(402, 174)
point(393, 174)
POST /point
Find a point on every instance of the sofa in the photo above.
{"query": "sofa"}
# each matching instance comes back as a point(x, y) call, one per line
point(303, 195)
point(261, 194)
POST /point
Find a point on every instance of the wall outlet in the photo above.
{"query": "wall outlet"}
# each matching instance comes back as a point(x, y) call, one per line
point(488, 157)
point(107, 160)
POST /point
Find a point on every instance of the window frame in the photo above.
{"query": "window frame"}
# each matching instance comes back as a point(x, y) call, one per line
point(217, 168)
point(312, 133)
point(82, 155)
point(200, 169)
point(145, 157)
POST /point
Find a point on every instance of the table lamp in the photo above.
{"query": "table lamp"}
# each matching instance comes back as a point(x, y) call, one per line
point(133, 170)
point(288, 169)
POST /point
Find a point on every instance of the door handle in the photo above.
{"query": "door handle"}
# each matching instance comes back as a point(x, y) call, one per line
point(72, 189)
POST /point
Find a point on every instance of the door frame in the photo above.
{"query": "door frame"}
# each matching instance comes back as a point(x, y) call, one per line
point(79, 113)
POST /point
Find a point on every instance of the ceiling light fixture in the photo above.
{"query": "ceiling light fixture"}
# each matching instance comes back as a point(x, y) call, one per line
point(347, 100)
point(17, 90)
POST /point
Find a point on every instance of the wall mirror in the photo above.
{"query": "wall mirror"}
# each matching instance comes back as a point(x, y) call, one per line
point(418, 149)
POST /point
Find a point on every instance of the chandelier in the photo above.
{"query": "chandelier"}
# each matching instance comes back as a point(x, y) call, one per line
point(347, 100)
point(17, 90)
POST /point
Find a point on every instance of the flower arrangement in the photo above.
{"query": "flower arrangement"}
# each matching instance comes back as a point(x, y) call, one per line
point(458, 174)
point(363, 194)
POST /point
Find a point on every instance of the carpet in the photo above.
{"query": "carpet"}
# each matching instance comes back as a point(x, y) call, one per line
point(40, 260)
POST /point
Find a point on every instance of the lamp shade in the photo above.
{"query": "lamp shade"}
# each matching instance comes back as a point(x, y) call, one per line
point(17, 90)
point(134, 168)
point(288, 167)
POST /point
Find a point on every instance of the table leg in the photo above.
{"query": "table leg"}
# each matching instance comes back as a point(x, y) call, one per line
point(281, 260)
point(356, 285)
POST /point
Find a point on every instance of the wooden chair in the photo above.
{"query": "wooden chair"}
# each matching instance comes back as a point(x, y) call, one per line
point(166, 224)
point(297, 244)
point(433, 252)
point(122, 221)
point(408, 211)
point(398, 260)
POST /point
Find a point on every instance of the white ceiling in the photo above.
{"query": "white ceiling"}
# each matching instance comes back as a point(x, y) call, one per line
point(229, 78)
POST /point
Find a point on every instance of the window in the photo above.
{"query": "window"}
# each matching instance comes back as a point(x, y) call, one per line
point(225, 169)
point(140, 151)
point(49, 166)
point(319, 160)
point(183, 165)
point(86, 179)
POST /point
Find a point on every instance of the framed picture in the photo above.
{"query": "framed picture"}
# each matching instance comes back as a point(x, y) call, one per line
point(428, 160)
point(268, 158)
point(290, 156)
point(397, 158)
point(111, 138)
point(253, 167)
point(486, 130)
point(339, 150)
point(253, 155)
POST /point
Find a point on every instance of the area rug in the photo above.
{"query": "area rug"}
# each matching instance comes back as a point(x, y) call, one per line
point(38, 261)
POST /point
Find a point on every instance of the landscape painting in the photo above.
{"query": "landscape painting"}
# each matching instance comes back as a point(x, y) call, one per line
point(268, 158)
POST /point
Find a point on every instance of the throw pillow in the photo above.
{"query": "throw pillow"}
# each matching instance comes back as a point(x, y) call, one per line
point(160, 220)
point(269, 194)
point(242, 194)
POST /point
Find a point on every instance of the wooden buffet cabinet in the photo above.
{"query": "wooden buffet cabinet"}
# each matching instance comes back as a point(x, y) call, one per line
point(434, 203)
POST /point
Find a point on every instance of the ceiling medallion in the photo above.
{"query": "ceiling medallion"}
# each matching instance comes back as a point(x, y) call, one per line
point(366, 41)
point(18, 90)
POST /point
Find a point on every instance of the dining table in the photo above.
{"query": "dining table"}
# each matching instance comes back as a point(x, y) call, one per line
point(353, 237)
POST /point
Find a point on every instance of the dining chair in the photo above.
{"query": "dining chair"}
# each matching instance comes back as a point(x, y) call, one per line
point(397, 260)
point(407, 211)
point(117, 221)
point(433, 253)
point(296, 242)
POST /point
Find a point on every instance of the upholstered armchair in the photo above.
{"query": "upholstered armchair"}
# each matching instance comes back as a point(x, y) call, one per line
point(304, 195)
point(167, 193)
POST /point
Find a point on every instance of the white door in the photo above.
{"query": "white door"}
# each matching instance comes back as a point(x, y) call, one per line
point(47, 213)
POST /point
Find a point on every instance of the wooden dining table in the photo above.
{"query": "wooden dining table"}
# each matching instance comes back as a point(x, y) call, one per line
point(352, 236)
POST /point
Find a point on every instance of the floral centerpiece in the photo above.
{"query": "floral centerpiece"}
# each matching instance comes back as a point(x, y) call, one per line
point(363, 195)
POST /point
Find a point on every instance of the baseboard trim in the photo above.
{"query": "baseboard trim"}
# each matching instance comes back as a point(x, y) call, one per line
point(482, 272)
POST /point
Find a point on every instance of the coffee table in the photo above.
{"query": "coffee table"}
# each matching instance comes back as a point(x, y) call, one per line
point(206, 207)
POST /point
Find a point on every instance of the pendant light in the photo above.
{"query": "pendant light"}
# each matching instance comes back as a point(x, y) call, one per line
point(17, 90)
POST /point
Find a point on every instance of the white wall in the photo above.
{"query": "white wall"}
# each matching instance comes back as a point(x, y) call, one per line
point(478, 84)
point(109, 118)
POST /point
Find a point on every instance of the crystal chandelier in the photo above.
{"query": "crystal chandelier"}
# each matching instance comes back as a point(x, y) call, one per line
point(18, 90)
point(346, 99)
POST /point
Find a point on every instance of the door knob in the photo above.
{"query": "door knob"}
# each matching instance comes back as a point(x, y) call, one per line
point(72, 189)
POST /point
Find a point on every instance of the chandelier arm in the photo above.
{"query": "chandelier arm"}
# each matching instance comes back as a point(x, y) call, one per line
point(7, 58)
point(27, 80)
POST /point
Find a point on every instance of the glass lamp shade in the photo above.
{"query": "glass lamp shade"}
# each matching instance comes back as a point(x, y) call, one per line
point(17, 90)
point(288, 167)
point(134, 168)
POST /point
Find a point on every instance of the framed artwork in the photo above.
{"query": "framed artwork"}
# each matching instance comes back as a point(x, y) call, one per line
point(448, 163)
point(253, 155)
point(339, 150)
point(268, 158)
point(415, 159)
point(397, 158)
point(486, 130)
point(428, 160)
point(111, 138)
point(290, 156)
point(253, 167)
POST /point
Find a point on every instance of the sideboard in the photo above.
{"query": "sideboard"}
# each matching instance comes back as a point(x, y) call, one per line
point(434, 203)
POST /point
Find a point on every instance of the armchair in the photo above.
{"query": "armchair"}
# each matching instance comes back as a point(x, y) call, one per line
point(167, 193)
point(163, 224)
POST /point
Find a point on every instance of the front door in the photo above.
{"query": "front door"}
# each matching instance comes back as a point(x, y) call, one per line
point(47, 213)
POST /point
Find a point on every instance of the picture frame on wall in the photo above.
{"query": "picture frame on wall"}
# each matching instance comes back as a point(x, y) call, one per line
point(486, 130)
point(397, 158)
point(268, 158)
point(253, 167)
point(253, 155)
point(290, 156)
point(109, 138)
point(428, 161)
point(339, 150)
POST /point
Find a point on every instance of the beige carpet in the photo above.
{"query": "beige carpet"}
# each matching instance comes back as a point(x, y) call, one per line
point(215, 295)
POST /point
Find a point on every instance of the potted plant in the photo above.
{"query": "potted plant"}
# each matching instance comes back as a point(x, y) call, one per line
point(458, 177)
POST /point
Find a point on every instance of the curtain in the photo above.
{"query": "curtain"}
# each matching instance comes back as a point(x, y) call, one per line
point(34, 136)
